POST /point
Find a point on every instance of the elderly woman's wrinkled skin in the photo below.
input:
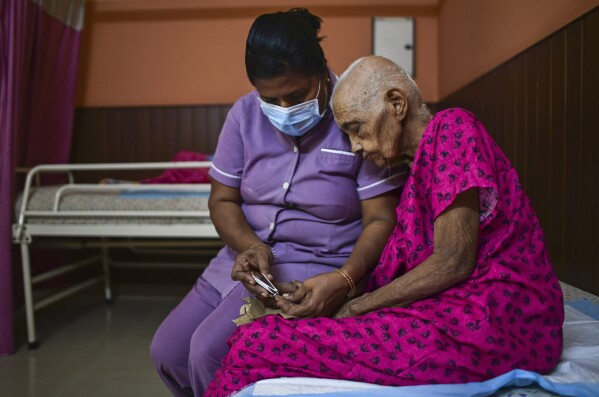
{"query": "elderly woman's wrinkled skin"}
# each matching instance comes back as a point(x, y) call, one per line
point(381, 110)
point(384, 121)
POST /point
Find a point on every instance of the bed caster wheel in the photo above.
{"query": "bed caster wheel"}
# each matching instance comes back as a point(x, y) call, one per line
point(32, 345)
point(108, 301)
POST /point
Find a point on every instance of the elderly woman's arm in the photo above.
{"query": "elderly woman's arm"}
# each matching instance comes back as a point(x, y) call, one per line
point(321, 295)
point(452, 261)
point(233, 228)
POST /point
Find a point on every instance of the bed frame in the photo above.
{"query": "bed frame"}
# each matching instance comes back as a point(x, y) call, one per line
point(108, 234)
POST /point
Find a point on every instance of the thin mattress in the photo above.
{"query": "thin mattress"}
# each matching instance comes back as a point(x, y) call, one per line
point(153, 200)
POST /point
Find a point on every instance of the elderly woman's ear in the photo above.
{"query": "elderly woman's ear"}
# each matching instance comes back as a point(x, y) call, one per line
point(398, 98)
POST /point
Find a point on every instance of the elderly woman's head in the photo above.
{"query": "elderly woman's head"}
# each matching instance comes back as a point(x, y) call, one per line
point(380, 107)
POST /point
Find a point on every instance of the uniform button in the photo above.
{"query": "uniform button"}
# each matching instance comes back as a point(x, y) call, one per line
point(295, 149)
point(271, 226)
point(286, 185)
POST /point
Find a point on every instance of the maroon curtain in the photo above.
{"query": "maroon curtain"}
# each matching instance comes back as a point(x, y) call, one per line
point(39, 49)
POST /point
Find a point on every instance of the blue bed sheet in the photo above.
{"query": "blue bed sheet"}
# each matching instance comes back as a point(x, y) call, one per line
point(161, 194)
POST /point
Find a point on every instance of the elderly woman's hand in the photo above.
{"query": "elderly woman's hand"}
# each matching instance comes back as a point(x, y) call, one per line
point(318, 296)
point(355, 307)
point(369, 302)
point(258, 259)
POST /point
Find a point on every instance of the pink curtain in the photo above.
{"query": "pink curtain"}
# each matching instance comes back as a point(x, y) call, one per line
point(39, 50)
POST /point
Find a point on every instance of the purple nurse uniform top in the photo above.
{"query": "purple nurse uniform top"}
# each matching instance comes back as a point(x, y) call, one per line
point(302, 197)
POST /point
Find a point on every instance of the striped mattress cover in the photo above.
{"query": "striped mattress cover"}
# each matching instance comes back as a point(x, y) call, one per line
point(154, 200)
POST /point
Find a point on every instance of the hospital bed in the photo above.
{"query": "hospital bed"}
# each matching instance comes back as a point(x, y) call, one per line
point(104, 216)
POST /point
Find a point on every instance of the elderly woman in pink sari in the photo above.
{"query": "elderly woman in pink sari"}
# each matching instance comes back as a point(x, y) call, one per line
point(464, 290)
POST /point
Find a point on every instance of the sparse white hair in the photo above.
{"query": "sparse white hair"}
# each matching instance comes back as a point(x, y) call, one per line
point(343, 76)
point(387, 75)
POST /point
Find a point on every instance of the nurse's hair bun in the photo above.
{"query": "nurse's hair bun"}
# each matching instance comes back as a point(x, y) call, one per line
point(310, 18)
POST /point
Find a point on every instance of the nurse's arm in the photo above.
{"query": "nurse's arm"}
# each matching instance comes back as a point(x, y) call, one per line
point(378, 221)
point(233, 228)
point(452, 261)
point(321, 295)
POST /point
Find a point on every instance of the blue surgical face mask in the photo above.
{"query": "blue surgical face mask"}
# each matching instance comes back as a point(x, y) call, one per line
point(295, 120)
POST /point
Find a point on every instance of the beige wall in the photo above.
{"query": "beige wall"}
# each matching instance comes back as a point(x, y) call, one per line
point(475, 36)
point(176, 52)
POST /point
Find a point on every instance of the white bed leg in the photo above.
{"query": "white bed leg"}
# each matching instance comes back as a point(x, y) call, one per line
point(106, 267)
point(29, 310)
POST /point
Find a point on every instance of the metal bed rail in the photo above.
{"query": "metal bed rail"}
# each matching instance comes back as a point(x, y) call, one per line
point(23, 232)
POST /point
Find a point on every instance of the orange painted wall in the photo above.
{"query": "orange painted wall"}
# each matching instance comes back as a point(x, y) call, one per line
point(174, 52)
point(427, 58)
point(475, 36)
point(172, 62)
point(142, 57)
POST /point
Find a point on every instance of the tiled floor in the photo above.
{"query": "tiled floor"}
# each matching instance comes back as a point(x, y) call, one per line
point(88, 348)
point(91, 349)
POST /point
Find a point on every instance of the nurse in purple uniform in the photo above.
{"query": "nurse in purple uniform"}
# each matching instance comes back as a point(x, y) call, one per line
point(289, 199)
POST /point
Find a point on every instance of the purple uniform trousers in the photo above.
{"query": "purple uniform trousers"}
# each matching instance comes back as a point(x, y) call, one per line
point(205, 318)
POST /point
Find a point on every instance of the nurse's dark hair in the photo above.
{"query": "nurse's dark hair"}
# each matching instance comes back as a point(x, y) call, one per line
point(284, 41)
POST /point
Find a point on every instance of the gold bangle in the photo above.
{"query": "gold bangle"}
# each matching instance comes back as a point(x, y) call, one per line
point(272, 251)
point(350, 281)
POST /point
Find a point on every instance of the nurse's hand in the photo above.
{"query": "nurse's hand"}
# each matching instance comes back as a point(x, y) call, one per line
point(256, 259)
point(318, 296)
